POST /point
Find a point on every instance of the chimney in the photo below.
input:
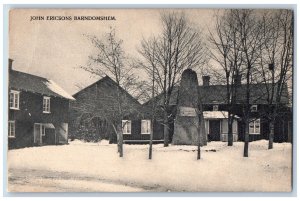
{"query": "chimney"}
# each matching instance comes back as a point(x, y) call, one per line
point(238, 79)
point(205, 79)
point(10, 61)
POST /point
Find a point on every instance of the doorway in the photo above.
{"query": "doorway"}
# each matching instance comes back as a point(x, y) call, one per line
point(37, 135)
point(214, 130)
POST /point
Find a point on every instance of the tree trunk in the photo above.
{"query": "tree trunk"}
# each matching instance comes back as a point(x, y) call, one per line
point(230, 134)
point(246, 145)
point(151, 139)
point(199, 140)
point(198, 146)
point(198, 152)
point(120, 144)
point(120, 140)
point(166, 130)
point(271, 134)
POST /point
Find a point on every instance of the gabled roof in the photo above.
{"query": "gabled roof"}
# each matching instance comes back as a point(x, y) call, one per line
point(110, 81)
point(35, 84)
point(216, 94)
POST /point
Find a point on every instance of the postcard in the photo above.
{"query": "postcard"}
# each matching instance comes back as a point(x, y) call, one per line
point(150, 100)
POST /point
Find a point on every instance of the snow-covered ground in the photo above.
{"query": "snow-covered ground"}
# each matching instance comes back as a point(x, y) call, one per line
point(94, 167)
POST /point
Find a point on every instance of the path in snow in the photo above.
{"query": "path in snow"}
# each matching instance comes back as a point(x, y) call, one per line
point(28, 180)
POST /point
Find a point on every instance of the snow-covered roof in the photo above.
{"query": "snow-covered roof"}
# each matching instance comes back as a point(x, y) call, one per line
point(36, 84)
point(216, 115)
point(57, 89)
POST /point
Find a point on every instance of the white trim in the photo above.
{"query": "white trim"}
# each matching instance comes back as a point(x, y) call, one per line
point(16, 100)
point(46, 102)
point(255, 123)
point(9, 129)
point(253, 108)
point(126, 123)
point(42, 130)
point(215, 107)
point(146, 120)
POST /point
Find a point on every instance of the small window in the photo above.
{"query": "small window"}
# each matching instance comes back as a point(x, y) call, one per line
point(253, 108)
point(46, 104)
point(146, 127)
point(43, 130)
point(126, 126)
point(254, 127)
point(11, 129)
point(215, 107)
point(14, 99)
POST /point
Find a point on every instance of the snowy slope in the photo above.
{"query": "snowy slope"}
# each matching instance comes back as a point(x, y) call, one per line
point(172, 168)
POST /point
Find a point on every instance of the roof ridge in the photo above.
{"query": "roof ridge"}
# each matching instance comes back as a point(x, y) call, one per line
point(26, 73)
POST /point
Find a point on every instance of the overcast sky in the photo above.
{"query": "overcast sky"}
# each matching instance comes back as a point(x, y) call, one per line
point(55, 49)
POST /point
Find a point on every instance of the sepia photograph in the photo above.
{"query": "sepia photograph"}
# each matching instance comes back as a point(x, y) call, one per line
point(150, 100)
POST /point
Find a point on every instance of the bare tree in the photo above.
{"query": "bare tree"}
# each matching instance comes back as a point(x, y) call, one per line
point(226, 51)
point(275, 62)
point(237, 40)
point(249, 31)
point(111, 60)
point(165, 56)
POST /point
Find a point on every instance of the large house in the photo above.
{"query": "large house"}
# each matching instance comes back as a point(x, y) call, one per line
point(99, 98)
point(38, 111)
point(215, 112)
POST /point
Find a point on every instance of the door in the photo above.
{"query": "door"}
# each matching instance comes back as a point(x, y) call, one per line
point(37, 137)
point(63, 133)
point(214, 130)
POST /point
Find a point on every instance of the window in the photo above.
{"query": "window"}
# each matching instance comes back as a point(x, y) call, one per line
point(253, 108)
point(43, 130)
point(215, 107)
point(14, 98)
point(46, 104)
point(11, 129)
point(126, 126)
point(145, 127)
point(254, 126)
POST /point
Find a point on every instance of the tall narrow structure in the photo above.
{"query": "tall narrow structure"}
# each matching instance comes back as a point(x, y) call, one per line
point(189, 123)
